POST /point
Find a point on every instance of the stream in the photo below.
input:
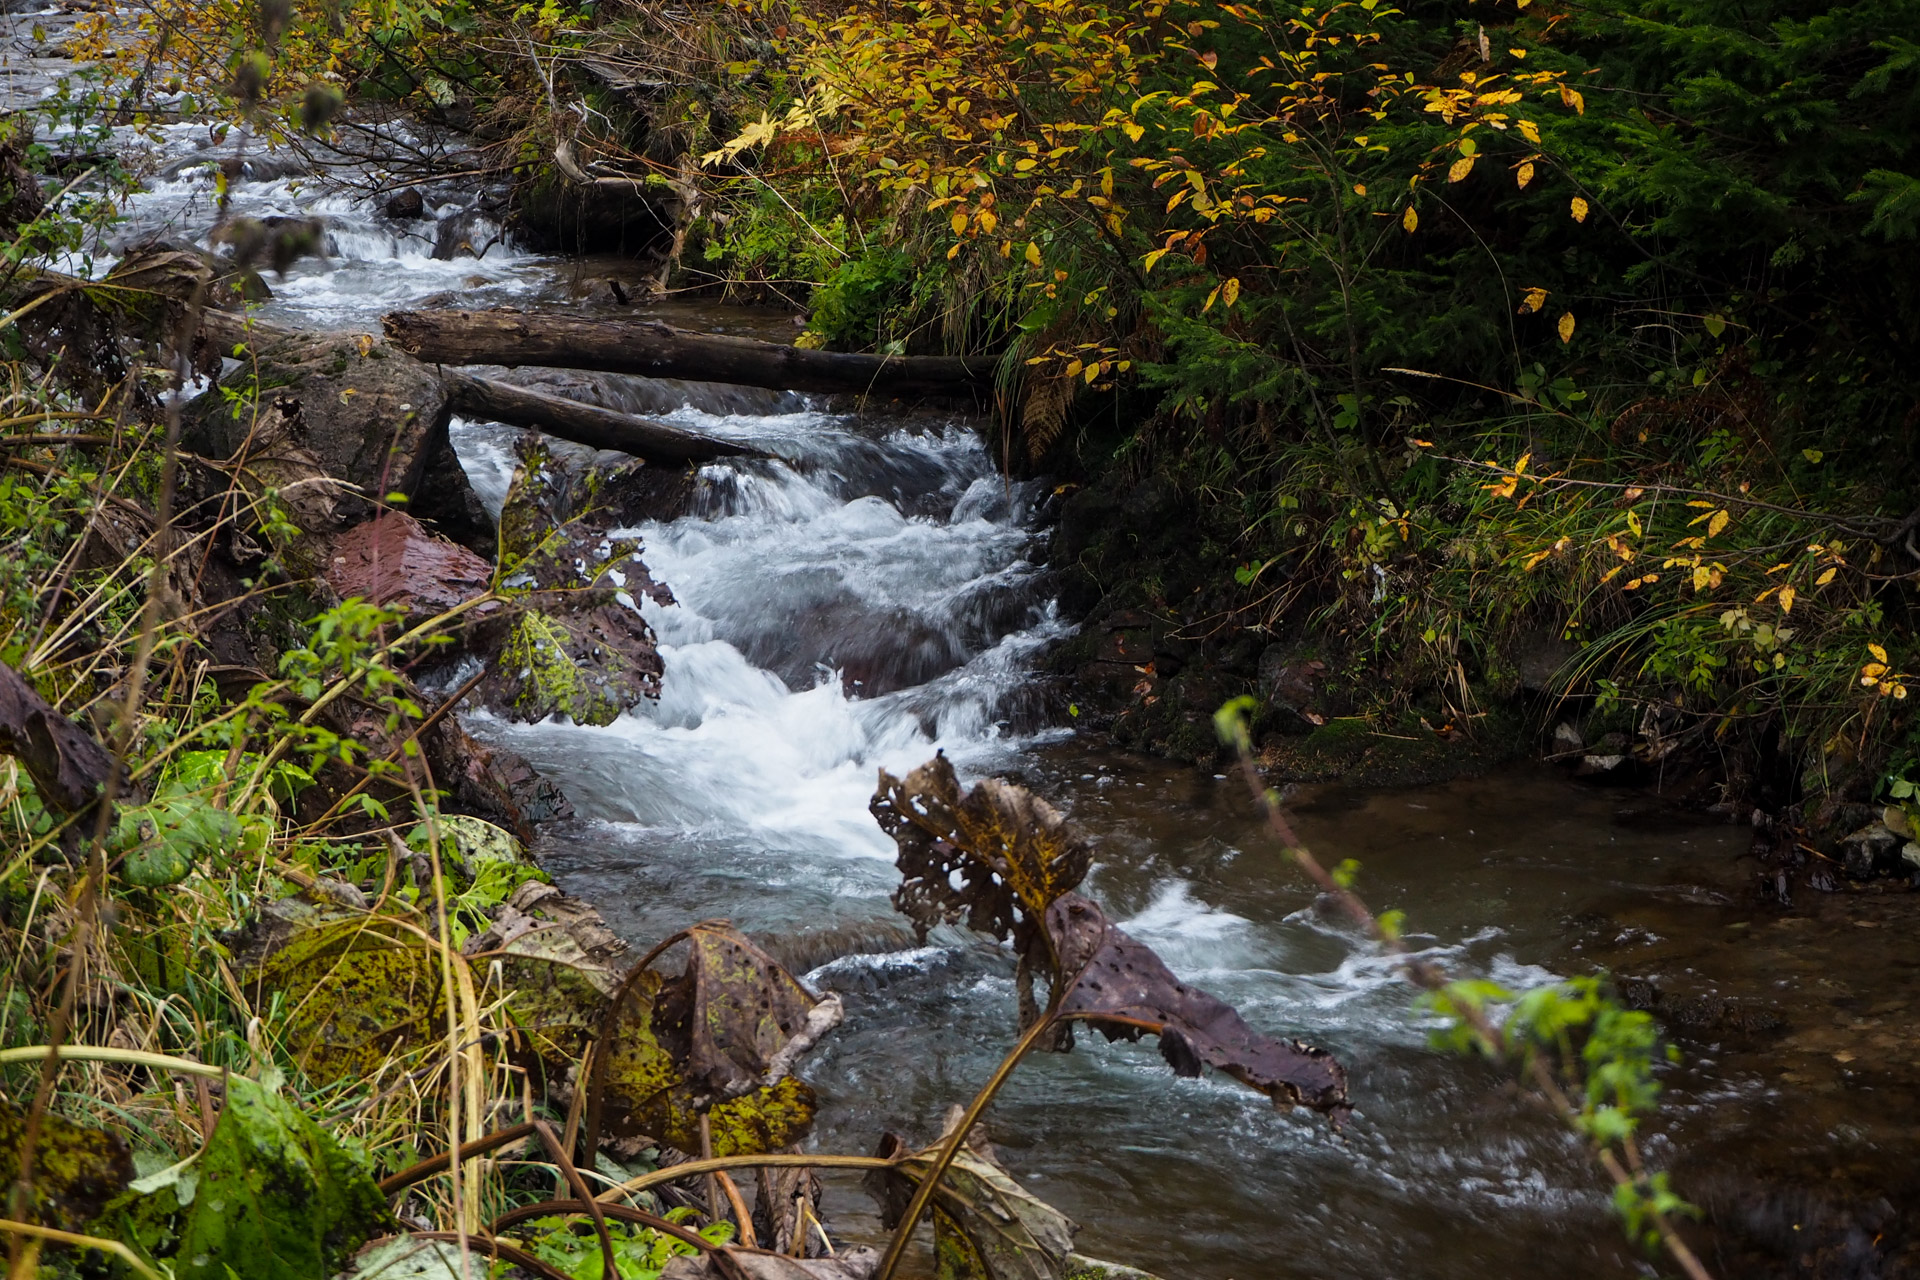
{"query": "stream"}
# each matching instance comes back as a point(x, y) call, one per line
point(880, 594)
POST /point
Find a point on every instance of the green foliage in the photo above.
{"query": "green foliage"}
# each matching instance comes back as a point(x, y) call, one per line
point(850, 309)
point(641, 1253)
point(272, 1195)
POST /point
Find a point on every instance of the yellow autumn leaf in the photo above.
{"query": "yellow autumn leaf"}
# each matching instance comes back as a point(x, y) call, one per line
point(1073, 369)
point(1033, 255)
point(1212, 298)
point(1786, 599)
point(1535, 299)
point(1565, 327)
point(1460, 169)
point(988, 221)
point(1094, 370)
point(1878, 653)
point(1133, 131)
point(1572, 98)
point(1230, 291)
point(1701, 577)
point(1525, 173)
point(959, 223)
point(1530, 132)
point(1579, 207)
point(1410, 219)
point(1717, 523)
point(1825, 578)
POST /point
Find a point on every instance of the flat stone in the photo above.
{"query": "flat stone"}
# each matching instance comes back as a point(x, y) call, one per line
point(393, 559)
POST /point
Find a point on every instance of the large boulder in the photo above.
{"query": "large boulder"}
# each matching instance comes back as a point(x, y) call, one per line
point(336, 423)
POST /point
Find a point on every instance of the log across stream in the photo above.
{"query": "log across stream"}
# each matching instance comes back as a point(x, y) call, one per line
point(873, 589)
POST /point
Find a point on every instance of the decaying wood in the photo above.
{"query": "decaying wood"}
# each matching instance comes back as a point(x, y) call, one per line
point(586, 424)
point(655, 350)
point(494, 401)
point(67, 766)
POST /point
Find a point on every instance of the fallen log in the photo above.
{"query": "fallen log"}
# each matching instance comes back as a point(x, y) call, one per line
point(436, 393)
point(586, 424)
point(656, 350)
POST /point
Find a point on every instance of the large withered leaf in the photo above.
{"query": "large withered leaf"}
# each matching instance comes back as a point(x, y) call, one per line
point(720, 1040)
point(356, 996)
point(1011, 852)
point(1118, 986)
point(555, 994)
point(986, 1226)
point(76, 1169)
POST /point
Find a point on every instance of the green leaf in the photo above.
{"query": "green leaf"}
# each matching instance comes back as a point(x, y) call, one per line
point(277, 1195)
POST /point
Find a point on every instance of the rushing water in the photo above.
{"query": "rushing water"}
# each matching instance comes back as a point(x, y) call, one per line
point(876, 595)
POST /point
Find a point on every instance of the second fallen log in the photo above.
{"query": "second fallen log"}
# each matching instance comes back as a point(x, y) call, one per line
point(655, 350)
point(586, 424)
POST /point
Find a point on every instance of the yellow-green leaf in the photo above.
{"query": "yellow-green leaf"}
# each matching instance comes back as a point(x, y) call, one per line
point(1230, 291)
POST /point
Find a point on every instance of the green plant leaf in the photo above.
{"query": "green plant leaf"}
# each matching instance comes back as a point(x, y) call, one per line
point(277, 1196)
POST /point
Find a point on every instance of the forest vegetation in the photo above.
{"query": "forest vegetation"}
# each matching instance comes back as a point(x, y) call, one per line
point(1498, 378)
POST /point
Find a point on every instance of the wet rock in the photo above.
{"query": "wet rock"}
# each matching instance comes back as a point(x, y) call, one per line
point(603, 291)
point(557, 216)
point(445, 499)
point(346, 407)
point(492, 782)
point(1540, 660)
point(392, 559)
point(573, 643)
point(404, 206)
point(467, 234)
point(1152, 504)
point(1875, 850)
point(1294, 688)
point(232, 285)
point(1567, 739)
